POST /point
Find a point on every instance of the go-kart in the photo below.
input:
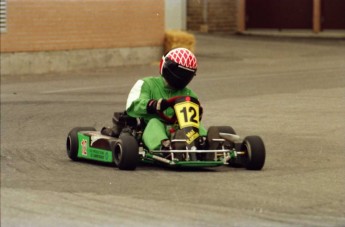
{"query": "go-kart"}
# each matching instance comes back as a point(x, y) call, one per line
point(222, 146)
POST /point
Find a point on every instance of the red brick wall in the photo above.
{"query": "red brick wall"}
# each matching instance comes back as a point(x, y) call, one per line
point(44, 25)
point(221, 15)
point(194, 15)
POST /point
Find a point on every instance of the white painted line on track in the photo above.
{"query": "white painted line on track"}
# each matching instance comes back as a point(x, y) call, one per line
point(76, 89)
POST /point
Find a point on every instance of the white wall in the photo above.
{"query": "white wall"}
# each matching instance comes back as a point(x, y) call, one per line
point(176, 14)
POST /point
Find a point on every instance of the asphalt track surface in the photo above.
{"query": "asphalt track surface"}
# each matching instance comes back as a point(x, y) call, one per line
point(290, 92)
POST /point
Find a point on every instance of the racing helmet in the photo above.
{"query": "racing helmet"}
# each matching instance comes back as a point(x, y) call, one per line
point(178, 67)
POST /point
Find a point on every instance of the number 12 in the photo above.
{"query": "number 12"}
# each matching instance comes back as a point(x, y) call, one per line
point(192, 117)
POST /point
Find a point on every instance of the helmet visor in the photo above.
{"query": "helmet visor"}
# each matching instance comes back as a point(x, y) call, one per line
point(177, 76)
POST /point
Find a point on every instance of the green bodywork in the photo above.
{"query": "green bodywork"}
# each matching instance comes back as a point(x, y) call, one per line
point(87, 152)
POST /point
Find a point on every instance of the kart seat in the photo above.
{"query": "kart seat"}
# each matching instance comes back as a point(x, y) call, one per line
point(121, 120)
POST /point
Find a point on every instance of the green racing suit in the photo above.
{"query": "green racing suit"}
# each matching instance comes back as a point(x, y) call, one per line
point(154, 88)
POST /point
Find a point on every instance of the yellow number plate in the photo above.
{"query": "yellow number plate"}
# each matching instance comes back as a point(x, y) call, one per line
point(187, 114)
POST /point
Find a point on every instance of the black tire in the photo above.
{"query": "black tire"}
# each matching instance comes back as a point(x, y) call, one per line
point(72, 145)
point(126, 152)
point(229, 145)
point(255, 153)
point(213, 133)
point(230, 130)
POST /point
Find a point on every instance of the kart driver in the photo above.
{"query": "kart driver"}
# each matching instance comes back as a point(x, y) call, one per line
point(149, 95)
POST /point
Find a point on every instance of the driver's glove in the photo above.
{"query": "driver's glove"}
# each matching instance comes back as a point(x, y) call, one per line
point(153, 106)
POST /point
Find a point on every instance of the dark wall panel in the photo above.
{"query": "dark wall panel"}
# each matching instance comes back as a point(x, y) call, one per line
point(279, 14)
point(333, 14)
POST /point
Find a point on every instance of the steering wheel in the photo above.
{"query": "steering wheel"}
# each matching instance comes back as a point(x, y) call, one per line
point(171, 102)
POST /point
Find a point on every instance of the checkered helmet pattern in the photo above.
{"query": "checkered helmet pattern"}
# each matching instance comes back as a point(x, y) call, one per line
point(181, 56)
point(178, 67)
point(184, 57)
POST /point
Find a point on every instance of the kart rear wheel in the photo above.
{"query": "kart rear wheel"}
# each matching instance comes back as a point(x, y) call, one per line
point(255, 152)
point(72, 144)
point(230, 130)
point(213, 133)
point(126, 152)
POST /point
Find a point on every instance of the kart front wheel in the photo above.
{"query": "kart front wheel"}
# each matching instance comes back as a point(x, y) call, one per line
point(72, 144)
point(254, 152)
point(126, 152)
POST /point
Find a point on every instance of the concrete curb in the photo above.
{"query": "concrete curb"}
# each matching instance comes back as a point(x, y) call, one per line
point(61, 61)
point(287, 33)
